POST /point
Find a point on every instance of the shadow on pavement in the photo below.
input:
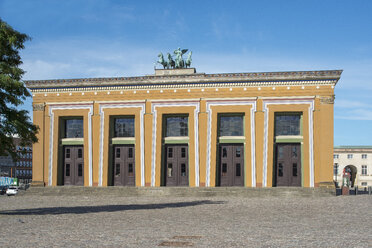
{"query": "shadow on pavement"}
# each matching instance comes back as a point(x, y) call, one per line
point(104, 208)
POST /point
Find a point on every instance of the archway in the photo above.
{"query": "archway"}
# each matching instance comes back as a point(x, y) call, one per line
point(353, 172)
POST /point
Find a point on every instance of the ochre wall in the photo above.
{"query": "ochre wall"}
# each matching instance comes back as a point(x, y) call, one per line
point(322, 115)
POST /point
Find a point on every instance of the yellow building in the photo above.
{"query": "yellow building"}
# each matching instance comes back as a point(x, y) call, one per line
point(182, 128)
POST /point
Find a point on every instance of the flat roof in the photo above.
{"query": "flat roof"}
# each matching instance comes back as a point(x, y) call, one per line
point(186, 76)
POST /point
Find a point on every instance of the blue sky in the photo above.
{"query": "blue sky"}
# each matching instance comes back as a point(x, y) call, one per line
point(96, 38)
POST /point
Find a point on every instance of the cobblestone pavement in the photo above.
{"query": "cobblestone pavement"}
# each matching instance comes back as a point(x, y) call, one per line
point(114, 221)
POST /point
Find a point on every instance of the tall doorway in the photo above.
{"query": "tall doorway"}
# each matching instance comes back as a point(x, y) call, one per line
point(176, 165)
point(124, 165)
point(231, 169)
point(288, 165)
point(73, 165)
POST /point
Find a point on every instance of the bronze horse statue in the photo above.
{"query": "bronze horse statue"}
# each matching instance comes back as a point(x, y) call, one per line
point(171, 63)
point(162, 61)
point(188, 60)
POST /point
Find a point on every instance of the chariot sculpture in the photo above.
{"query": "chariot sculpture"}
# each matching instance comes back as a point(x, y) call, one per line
point(176, 62)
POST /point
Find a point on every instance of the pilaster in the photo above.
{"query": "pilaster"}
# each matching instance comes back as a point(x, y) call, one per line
point(148, 142)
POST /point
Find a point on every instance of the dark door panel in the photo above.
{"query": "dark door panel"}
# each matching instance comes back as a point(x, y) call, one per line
point(231, 165)
point(124, 165)
point(73, 165)
point(288, 165)
point(176, 165)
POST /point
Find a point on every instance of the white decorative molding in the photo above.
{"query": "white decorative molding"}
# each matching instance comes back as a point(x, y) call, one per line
point(288, 101)
point(234, 102)
point(108, 105)
point(187, 86)
point(176, 103)
point(51, 136)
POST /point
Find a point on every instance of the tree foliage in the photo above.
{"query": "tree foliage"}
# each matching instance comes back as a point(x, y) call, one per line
point(14, 122)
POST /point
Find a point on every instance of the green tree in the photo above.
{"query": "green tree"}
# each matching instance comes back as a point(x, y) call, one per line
point(13, 121)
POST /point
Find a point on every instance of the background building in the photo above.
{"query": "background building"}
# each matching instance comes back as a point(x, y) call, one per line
point(182, 128)
point(358, 159)
point(22, 168)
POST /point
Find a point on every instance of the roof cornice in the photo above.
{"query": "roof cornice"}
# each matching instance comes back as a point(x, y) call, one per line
point(196, 78)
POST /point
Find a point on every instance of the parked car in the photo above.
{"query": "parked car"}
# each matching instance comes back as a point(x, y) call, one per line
point(3, 190)
point(12, 190)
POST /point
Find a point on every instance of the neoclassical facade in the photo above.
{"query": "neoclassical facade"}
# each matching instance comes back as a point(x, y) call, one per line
point(358, 161)
point(182, 128)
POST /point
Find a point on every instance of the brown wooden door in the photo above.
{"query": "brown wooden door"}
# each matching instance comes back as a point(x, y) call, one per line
point(73, 168)
point(124, 165)
point(176, 165)
point(288, 165)
point(231, 171)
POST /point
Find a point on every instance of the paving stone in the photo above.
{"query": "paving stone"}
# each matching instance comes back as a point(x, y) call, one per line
point(99, 220)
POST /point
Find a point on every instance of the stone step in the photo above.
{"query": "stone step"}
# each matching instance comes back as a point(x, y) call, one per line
point(182, 191)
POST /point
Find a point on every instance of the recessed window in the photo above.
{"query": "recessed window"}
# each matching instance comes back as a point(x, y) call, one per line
point(350, 156)
point(74, 128)
point(335, 156)
point(231, 125)
point(287, 124)
point(124, 127)
point(364, 156)
point(364, 170)
point(364, 184)
point(176, 126)
point(335, 169)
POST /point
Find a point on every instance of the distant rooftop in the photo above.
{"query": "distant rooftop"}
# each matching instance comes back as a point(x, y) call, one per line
point(353, 147)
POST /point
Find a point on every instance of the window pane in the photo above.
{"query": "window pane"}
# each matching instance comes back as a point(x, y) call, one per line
point(67, 153)
point(124, 127)
point(80, 170)
point(294, 151)
point(117, 170)
point(224, 169)
point(280, 170)
point(130, 169)
point(335, 169)
point(130, 152)
point(237, 167)
point(237, 152)
point(183, 170)
point(231, 126)
point(177, 126)
point(170, 152)
point(67, 170)
point(224, 152)
point(183, 152)
point(80, 153)
point(287, 124)
point(118, 152)
point(294, 169)
point(74, 128)
point(170, 169)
